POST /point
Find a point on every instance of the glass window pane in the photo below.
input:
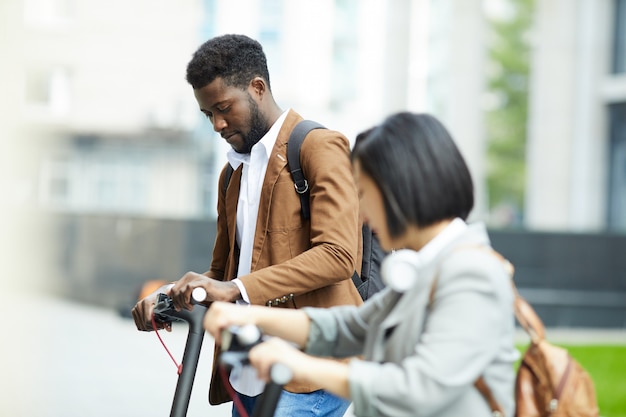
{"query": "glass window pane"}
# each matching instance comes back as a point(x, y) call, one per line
point(619, 54)
point(617, 167)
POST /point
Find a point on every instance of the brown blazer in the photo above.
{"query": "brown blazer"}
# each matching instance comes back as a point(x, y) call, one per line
point(295, 263)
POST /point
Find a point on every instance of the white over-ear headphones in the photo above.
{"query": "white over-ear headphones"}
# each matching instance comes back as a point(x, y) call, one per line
point(399, 269)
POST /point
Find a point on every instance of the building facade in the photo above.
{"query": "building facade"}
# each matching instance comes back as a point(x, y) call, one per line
point(99, 120)
point(576, 154)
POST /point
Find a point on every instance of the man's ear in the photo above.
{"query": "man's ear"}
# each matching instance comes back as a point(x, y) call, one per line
point(258, 86)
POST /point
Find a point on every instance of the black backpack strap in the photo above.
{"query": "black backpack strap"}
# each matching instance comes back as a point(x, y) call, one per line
point(293, 159)
point(370, 281)
point(227, 174)
point(362, 282)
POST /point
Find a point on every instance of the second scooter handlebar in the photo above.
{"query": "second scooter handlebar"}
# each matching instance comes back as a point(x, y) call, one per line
point(236, 343)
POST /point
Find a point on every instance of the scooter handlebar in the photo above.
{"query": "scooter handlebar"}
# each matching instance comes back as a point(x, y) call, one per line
point(164, 311)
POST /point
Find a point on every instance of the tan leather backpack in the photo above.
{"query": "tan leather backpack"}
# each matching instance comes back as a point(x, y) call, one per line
point(549, 381)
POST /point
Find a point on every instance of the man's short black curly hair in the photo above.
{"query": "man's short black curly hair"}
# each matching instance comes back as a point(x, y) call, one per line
point(237, 59)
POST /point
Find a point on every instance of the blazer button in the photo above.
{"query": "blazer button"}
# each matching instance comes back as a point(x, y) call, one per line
point(269, 303)
point(277, 301)
point(284, 299)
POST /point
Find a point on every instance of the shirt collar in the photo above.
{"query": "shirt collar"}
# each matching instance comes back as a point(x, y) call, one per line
point(447, 235)
point(266, 143)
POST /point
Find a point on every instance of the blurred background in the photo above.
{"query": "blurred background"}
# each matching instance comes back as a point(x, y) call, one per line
point(108, 170)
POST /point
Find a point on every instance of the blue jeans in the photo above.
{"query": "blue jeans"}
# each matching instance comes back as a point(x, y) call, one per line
point(315, 404)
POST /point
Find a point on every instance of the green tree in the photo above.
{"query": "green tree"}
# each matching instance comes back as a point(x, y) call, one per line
point(509, 56)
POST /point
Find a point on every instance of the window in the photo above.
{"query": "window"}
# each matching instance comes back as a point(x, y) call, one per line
point(619, 40)
point(97, 181)
point(270, 28)
point(56, 176)
point(38, 87)
point(208, 21)
point(617, 168)
point(345, 53)
point(49, 89)
point(48, 13)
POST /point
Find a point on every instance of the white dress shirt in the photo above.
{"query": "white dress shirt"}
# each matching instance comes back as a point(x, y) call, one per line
point(245, 380)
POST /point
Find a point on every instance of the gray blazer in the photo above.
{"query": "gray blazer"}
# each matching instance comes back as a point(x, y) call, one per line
point(420, 361)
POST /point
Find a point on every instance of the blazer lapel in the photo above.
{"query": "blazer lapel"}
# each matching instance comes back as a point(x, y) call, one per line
point(409, 307)
point(275, 165)
point(232, 198)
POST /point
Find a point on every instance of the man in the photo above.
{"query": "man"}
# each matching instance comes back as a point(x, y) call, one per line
point(264, 252)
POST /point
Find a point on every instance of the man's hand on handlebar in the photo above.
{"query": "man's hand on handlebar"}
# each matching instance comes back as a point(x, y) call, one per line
point(215, 290)
point(180, 293)
point(142, 311)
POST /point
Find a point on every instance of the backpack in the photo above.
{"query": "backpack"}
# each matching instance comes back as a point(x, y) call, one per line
point(549, 381)
point(370, 281)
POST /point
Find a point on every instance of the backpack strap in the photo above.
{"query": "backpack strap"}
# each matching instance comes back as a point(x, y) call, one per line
point(361, 282)
point(227, 174)
point(526, 317)
point(293, 160)
point(524, 313)
point(483, 388)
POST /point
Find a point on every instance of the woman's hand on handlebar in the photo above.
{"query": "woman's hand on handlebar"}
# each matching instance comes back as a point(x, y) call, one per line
point(276, 350)
point(222, 315)
point(326, 373)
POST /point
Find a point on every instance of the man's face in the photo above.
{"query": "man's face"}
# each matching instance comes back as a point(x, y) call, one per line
point(234, 113)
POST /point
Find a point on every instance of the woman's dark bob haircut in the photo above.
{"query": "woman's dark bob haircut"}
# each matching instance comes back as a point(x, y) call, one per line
point(418, 168)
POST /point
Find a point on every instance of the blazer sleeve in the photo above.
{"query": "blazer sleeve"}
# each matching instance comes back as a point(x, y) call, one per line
point(332, 237)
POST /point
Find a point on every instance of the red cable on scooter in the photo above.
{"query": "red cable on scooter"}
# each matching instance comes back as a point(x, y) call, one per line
point(156, 330)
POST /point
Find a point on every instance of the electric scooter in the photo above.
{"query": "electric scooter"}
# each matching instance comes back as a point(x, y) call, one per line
point(236, 343)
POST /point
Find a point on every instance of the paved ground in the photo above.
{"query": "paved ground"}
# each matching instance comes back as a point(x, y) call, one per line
point(71, 360)
point(62, 359)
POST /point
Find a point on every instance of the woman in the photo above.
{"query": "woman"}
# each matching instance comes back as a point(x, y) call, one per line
point(445, 319)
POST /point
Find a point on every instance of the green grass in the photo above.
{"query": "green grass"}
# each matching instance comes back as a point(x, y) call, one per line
point(607, 366)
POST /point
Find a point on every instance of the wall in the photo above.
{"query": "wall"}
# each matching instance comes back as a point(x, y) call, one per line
point(572, 279)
